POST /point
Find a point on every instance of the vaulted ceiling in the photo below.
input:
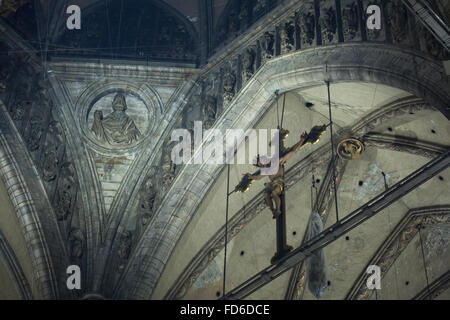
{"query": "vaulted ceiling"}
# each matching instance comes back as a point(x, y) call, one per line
point(195, 269)
point(172, 31)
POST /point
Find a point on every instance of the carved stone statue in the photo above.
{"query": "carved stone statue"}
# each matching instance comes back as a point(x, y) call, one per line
point(350, 20)
point(35, 133)
point(328, 24)
point(266, 44)
point(306, 24)
point(168, 166)
point(65, 196)
point(117, 128)
point(18, 109)
point(397, 19)
point(76, 240)
point(147, 201)
point(212, 83)
point(53, 151)
point(287, 37)
point(229, 81)
point(168, 171)
point(42, 94)
point(248, 62)
point(55, 135)
point(124, 249)
point(209, 111)
point(50, 166)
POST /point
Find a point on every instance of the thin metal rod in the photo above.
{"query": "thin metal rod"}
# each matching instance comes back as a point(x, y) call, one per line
point(226, 232)
point(332, 153)
point(424, 264)
point(278, 112)
point(282, 112)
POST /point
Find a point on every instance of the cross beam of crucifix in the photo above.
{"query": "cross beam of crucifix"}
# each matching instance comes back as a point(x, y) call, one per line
point(274, 192)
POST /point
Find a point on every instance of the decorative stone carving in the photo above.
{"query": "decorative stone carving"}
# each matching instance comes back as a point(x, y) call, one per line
point(287, 37)
point(168, 167)
point(209, 111)
point(55, 135)
point(397, 19)
point(53, 151)
point(50, 166)
point(124, 249)
point(229, 82)
point(66, 192)
point(350, 21)
point(19, 109)
point(76, 241)
point(328, 24)
point(168, 171)
point(191, 113)
point(43, 95)
point(266, 44)
point(350, 149)
point(35, 133)
point(117, 128)
point(147, 201)
point(306, 23)
point(248, 64)
point(300, 285)
point(397, 111)
point(212, 84)
point(379, 142)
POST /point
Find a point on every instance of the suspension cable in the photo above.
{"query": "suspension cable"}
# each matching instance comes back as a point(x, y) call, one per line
point(313, 188)
point(120, 26)
point(109, 28)
point(333, 160)
point(423, 259)
point(36, 12)
point(278, 113)
point(282, 112)
point(226, 233)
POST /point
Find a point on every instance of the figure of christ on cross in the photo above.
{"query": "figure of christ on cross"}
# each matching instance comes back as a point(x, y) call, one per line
point(274, 188)
point(274, 193)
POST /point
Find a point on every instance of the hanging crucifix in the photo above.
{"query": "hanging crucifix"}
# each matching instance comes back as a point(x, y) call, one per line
point(274, 192)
